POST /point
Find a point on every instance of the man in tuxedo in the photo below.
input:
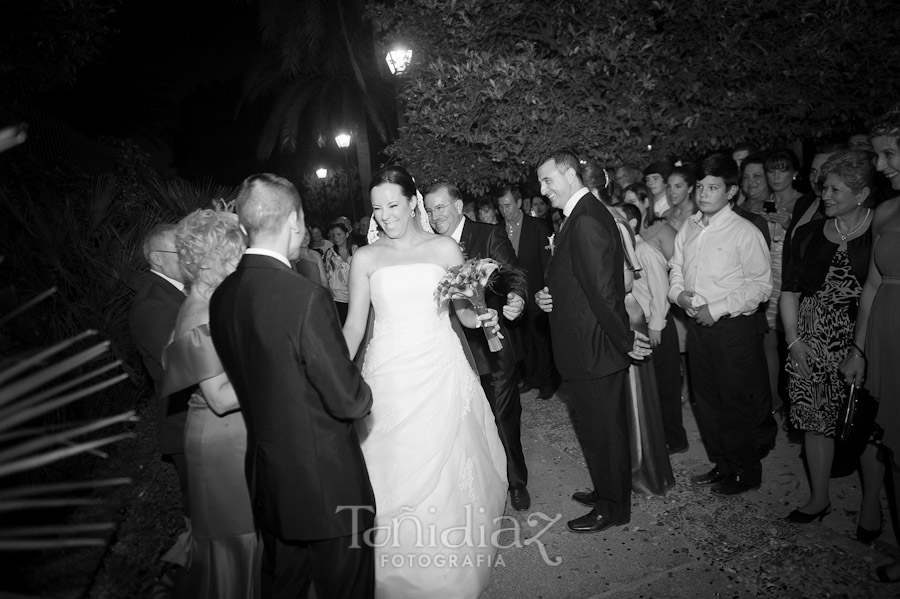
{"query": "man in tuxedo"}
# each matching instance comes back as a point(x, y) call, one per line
point(444, 206)
point(151, 322)
point(592, 343)
point(530, 238)
point(278, 336)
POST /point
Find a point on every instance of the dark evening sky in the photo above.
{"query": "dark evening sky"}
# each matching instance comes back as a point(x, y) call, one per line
point(170, 77)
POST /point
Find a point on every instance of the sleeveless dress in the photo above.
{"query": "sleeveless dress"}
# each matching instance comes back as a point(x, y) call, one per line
point(435, 460)
point(883, 340)
point(224, 554)
point(824, 323)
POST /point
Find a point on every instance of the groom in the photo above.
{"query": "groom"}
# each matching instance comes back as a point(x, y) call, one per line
point(592, 343)
point(444, 205)
point(278, 337)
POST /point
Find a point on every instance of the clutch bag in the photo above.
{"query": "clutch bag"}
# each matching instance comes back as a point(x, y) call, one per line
point(844, 425)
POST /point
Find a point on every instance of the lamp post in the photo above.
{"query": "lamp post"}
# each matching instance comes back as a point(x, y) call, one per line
point(398, 61)
point(342, 140)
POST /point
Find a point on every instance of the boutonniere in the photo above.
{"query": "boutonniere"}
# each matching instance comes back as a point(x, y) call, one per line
point(551, 246)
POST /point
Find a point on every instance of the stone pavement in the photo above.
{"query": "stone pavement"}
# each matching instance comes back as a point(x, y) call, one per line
point(687, 544)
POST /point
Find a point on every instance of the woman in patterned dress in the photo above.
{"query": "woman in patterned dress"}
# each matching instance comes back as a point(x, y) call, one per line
point(828, 266)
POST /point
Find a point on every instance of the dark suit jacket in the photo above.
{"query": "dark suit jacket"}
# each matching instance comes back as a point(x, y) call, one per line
point(589, 325)
point(151, 322)
point(534, 255)
point(279, 339)
point(481, 240)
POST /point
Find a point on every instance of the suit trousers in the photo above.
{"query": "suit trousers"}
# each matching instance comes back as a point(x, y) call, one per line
point(343, 567)
point(599, 413)
point(666, 360)
point(502, 390)
point(538, 353)
point(731, 388)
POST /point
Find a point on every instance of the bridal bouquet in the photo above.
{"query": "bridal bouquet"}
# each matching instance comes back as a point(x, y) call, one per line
point(469, 281)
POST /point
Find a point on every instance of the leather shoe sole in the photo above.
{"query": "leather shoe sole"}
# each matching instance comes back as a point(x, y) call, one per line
point(585, 498)
point(520, 499)
point(713, 477)
point(594, 523)
point(732, 486)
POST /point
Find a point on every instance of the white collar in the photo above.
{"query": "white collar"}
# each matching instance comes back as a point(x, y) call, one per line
point(176, 284)
point(573, 201)
point(269, 253)
point(457, 234)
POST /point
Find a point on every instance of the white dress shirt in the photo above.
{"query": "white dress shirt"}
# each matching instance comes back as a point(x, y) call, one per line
point(573, 201)
point(726, 262)
point(457, 232)
point(269, 253)
point(651, 289)
point(177, 284)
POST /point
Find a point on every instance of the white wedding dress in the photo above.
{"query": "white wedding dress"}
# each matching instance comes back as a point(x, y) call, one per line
point(431, 446)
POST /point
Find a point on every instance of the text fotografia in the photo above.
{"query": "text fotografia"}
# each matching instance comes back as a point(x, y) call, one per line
point(504, 532)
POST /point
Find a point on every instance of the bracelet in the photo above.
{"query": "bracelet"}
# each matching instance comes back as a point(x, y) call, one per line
point(793, 343)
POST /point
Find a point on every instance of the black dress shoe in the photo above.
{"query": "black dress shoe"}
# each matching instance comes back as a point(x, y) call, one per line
point(864, 535)
point(545, 392)
point(732, 485)
point(594, 521)
point(520, 499)
point(678, 449)
point(585, 498)
point(712, 477)
point(798, 517)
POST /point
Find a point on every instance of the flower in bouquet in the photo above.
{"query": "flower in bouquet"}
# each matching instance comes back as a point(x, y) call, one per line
point(469, 281)
point(551, 246)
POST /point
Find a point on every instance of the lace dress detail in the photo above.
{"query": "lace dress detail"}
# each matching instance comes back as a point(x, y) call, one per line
point(431, 445)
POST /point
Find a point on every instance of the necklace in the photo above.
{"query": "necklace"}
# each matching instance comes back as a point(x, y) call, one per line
point(844, 236)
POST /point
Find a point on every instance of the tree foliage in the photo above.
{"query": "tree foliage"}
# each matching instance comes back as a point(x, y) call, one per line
point(43, 43)
point(496, 84)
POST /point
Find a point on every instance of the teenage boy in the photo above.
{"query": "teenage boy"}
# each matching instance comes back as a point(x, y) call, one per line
point(720, 274)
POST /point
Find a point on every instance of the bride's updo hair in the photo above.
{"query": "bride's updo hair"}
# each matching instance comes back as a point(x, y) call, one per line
point(397, 175)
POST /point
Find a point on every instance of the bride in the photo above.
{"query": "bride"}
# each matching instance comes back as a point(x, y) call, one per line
point(431, 446)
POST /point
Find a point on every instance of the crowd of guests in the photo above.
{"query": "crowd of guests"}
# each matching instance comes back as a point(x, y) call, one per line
point(759, 294)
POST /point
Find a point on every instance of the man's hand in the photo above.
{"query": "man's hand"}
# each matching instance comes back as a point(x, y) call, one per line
point(655, 337)
point(490, 321)
point(703, 316)
point(514, 306)
point(684, 300)
point(544, 300)
point(641, 346)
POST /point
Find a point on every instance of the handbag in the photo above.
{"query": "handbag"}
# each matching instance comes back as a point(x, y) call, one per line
point(844, 426)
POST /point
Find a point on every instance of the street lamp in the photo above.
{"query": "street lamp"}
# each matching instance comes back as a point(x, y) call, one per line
point(321, 173)
point(398, 60)
point(342, 140)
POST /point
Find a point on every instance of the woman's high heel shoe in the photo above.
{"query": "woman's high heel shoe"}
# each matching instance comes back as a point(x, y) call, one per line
point(864, 535)
point(798, 517)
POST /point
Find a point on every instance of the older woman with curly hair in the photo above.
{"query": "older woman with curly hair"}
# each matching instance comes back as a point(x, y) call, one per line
point(224, 554)
point(822, 283)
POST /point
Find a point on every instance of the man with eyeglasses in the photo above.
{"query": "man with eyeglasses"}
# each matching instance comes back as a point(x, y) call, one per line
point(499, 379)
point(151, 322)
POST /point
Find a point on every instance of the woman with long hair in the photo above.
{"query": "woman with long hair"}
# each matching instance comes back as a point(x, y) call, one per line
point(680, 193)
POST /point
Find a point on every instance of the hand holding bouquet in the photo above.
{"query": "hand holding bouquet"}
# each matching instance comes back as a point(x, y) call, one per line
point(469, 280)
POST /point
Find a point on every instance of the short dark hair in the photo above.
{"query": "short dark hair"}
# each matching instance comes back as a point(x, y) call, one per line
point(782, 160)
point(452, 190)
point(758, 158)
point(565, 159)
point(397, 175)
point(511, 189)
point(719, 165)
